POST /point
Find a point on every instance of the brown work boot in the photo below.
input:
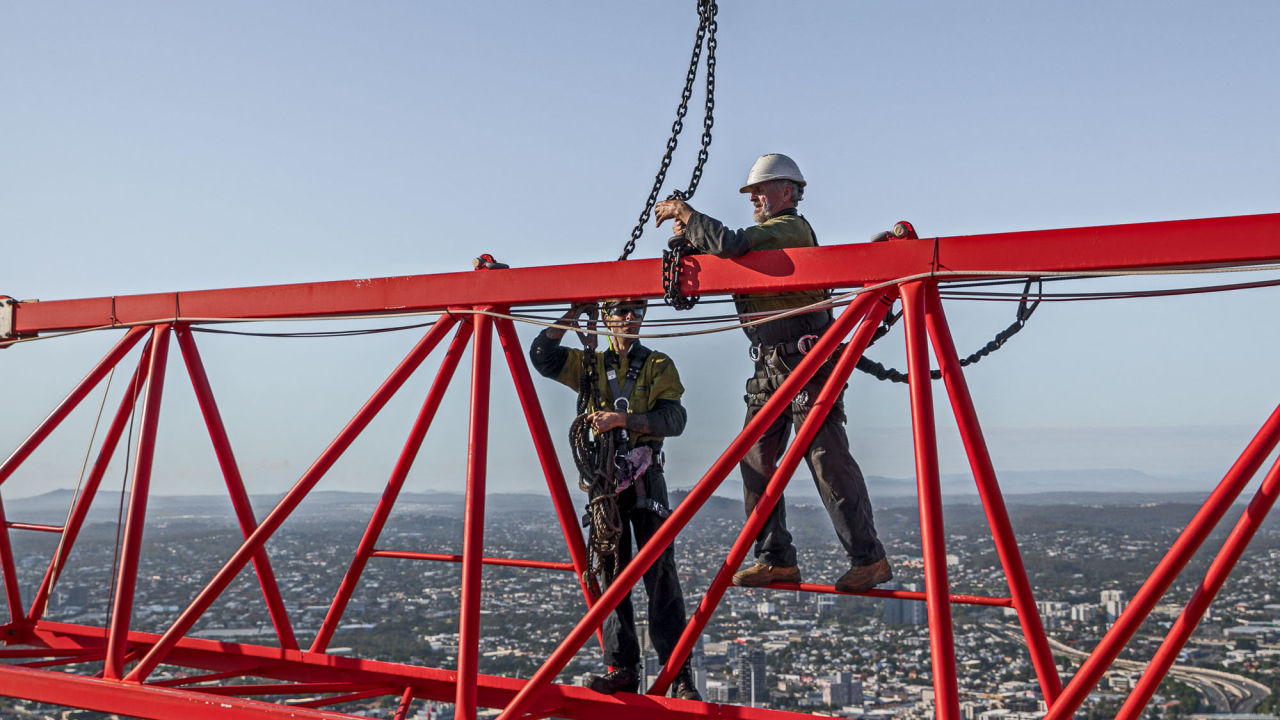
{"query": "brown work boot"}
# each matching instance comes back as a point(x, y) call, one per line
point(623, 679)
point(861, 578)
point(759, 575)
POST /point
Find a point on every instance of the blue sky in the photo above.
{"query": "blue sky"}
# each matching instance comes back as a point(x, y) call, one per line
point(156, 146)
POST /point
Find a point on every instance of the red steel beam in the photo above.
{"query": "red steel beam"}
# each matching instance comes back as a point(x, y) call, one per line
point(205, 598)
point(1163, 575)
point(1211, 242)
point(871, 317)
point(235, 484)
point(446, 557)
point(386, 503)
point(932, 536)
point(84, 501)
point(984, 475)
point(715, 475)
point(135, 522)
point(297, 666)
point(70, 402)
point(464, 707)
point(546, 449)
point(1219, 569)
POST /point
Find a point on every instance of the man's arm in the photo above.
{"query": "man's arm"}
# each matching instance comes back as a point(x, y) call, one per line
point(704, 232)
point(546, 353)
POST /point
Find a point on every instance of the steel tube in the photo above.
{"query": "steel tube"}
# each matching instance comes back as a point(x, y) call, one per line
point(406, 702)
point(392, 491)
point(130, 554)
point(34, 527)
point(464, 707)
point(679, 517)
point(13, 595)
point(1212, 242)
point(444, 557)
point(1204, 594)
point(235, 484)
point(1188, 541)
point(773, 490)
point(984, 475)
point(551, 470)
point(932, 535)
point(80, 510)
point(70, 402)
point(282, 510)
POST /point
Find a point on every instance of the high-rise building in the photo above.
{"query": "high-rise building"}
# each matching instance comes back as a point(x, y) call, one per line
point(752, 677)
point(898, 611)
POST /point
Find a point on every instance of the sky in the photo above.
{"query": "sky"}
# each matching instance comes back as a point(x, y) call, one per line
point(159, 146)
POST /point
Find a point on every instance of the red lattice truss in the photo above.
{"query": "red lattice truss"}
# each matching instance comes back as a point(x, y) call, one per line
point(111, 668)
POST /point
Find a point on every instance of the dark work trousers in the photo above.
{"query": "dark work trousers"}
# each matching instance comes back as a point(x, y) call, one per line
point(839, 480)
point(666, 602)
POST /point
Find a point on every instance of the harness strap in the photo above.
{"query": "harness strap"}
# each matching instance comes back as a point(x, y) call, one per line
point(622, 396)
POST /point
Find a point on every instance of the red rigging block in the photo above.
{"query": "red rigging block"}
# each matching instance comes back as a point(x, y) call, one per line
point(1212, 242)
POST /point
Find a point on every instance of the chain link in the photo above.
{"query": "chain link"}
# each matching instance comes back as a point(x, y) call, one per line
point(679, 248)
point(706, 35)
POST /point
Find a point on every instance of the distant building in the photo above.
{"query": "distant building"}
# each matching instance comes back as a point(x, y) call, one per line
point(1113, 602)
point(898, 611)
point(841, 689)
point(752, 677)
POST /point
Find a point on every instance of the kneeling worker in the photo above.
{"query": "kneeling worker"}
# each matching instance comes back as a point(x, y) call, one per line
point(638, 392)
point(774, 186)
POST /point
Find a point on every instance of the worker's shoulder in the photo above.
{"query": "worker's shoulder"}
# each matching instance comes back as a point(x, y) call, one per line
point(782, 231)
point(658, 359)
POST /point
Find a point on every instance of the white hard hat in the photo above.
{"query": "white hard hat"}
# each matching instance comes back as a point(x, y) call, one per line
point(773, 166)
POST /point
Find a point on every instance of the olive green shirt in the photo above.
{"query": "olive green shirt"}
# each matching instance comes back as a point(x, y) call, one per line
point(785, 230)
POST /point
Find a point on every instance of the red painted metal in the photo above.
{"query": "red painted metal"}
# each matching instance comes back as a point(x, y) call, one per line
point(131, 552)
point(1188, 541)
point(235, 484)
point(1214, 242)
point(984, 476)
point(365, 549)
point(909, 267)
point(464, 707)
point(291, 500)
point(542, 444)
point(505, 562)
point(12, 593)
point(80, 511)
point(1216, 575)
point(929, 488)
point(956, 598)
point(70, 402)
point(692, 502)
point(35, 527)
point(869, 317)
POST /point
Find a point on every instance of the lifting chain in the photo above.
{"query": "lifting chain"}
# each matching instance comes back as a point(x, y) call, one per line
point(706, 34)
point(594, 458)
point(880, 372)
point(678, 249)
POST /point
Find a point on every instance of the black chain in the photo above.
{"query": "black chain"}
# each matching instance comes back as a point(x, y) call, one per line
point(594, 457)
point(706, 33)
point(880, 372)
point(679, 248)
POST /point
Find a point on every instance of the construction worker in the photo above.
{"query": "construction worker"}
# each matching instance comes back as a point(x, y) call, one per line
point(775, 185)
point(639, 394)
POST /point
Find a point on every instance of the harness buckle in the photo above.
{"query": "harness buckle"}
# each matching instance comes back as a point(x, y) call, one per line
point(806, 343)
point(621, 404)
point(753, 352)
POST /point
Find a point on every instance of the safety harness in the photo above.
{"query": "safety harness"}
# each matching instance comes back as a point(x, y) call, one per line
point(605, 467)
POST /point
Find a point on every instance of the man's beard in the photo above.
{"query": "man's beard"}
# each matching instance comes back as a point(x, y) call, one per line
point(762, 213)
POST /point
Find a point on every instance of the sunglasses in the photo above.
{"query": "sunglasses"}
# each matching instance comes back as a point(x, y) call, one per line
point(623, 310)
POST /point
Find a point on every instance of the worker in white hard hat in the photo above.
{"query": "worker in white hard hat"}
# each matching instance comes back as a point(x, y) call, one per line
point(638, 394)
point(775, 185)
